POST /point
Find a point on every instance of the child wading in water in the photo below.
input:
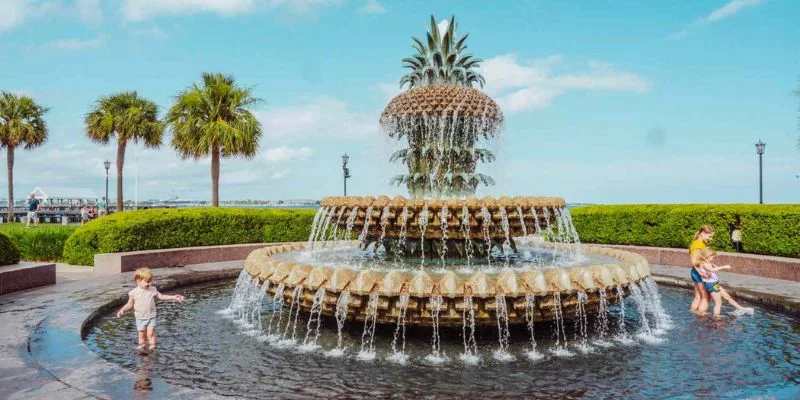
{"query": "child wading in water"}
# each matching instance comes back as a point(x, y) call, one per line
point(712, 282)
point(142, 300)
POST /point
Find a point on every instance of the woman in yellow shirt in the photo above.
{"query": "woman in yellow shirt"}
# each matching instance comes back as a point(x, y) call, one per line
point(701, 238)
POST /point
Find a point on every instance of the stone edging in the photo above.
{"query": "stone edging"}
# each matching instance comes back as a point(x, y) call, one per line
point(770, 300)
point(115, 263)
point(748, 264)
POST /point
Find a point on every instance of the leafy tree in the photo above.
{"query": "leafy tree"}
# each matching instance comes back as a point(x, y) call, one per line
point(212, 118)
point(130, 119)
point(21, 124)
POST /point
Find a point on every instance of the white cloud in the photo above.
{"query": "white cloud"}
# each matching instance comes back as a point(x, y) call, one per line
point(523, 86)
point(89, 11)
point(322, 116)
point(285, 154)
point(389, 90)
point(372, 7)
point(13, 13)
point(152, 32)
point(730, 9)
point(138, 10)
point(279, 175)
point(74, 44)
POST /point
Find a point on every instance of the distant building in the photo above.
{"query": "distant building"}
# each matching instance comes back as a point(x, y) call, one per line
point(58, 196)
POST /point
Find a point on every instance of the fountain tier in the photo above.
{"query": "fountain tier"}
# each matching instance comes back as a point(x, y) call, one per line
point(481, 289)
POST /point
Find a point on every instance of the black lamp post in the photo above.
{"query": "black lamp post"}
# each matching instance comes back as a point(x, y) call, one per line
point(345, 171)
point(107, 164)
point(760, 150)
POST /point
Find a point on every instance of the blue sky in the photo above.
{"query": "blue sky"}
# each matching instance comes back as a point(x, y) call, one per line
point(605, 101)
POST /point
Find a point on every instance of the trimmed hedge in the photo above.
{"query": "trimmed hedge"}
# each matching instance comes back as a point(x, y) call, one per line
point(44, 243)
point(9, 254)
point(171, 228)
point(766, 229)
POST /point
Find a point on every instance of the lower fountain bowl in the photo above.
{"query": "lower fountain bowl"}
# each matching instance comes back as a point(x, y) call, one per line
point(422, 296)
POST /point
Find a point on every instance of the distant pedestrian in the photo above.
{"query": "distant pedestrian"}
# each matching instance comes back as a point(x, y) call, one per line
point(102, 207)
point(736, 238)
point(33, 211)
point(85, 214)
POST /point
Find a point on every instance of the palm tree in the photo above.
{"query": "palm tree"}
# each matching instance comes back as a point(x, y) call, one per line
point(21, 124)
point(441, 60)
point(213, 118)
point(128, 117)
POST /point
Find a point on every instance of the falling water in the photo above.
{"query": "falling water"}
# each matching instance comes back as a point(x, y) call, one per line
point(317, 216)
point(522, 224)
point(384, 224)
point(351, 221)
point(436, 356)
point(368, 336)
point(536, 226)
point(641, 307)
point(326, 223)
point(507, 241)
point(444, 218)
point(255, 314)
point(335, 229)
point(293, 306)
point(242, 282)
point(342, 304)
point(277, 306)
point(470, 355)
point(314, 319)
point(601, 323)
point(568, 223)
point(465, 228)
point(561, 335)
point(400, 331)
point(530, 304)
point(663, 320)
point(501, 353)
point(487, 220)
point(561, 236)
point(401, 241)
point(423, 226)
point(549, 230)
point(367, 221)
point(622, 336)
point(581, 323)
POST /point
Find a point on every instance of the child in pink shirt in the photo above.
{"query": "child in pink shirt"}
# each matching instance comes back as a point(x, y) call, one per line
point(142, 300)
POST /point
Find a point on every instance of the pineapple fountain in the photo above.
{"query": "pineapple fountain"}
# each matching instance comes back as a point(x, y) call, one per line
point(442, 257)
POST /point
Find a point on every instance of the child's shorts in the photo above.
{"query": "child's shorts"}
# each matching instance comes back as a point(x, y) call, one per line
point(712, 287)
point(696, 278)
point(142, 324)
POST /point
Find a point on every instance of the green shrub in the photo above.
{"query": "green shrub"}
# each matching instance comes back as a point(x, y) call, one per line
point(44, 243)
point(9, 254)
point(766, 229)
point(171, 228)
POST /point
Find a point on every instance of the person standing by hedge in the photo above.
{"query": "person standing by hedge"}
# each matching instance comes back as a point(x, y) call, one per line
point(701, 239)
point(102, 207)
point(33, 211)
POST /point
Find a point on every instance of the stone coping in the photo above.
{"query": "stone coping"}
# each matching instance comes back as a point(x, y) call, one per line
point(115, 263)
point(26, 275)
point(783, 268)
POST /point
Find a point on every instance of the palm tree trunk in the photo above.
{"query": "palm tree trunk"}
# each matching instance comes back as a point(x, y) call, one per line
point(215, 175)
point(10, 169)
point(120, 164)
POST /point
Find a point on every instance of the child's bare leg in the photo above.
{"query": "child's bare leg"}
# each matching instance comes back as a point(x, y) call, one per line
point(703, 307)
point(697, 297)
point(151, 337)
point(142, 340)
point(717, 302)
point(730, 299)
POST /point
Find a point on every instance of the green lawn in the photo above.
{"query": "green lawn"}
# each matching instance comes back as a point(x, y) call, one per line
point(42, 243)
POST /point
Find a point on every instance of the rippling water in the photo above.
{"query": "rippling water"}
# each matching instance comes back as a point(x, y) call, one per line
point(731, 357)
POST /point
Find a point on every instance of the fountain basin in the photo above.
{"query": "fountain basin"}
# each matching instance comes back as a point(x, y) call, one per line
point(515, 287)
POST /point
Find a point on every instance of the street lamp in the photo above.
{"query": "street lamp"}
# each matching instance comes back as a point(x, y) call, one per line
point(760, 150)
point(345, 171)
point(107, 164)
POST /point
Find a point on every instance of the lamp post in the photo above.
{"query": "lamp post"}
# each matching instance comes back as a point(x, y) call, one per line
point(760, 151)
point(345, 171)
point(107, 164)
